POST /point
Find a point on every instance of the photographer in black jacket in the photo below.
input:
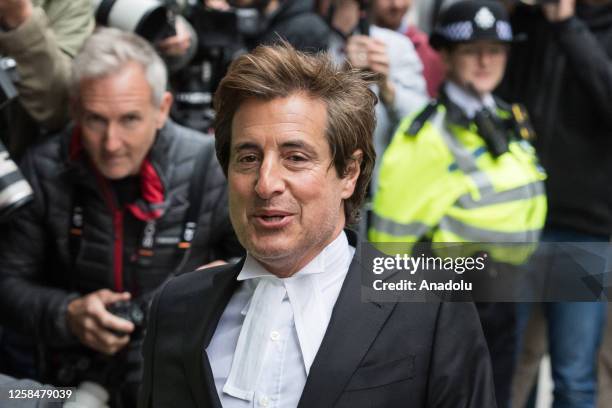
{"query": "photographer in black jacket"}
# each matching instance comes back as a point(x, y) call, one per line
point(123, 200)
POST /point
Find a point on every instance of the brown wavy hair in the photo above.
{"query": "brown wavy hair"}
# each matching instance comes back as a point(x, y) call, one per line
point(278, 71)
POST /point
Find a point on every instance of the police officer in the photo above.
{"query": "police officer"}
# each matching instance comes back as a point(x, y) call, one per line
point(462, 170)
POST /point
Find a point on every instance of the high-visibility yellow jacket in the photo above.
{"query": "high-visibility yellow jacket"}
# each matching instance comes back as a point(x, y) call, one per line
point(441, 184)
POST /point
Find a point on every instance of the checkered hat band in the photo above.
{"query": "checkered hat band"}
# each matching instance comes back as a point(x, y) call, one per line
point(504, 30)
point(461, 31)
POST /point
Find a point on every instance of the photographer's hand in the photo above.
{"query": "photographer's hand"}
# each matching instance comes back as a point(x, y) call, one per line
point(357, 51)
point(178, 44)
point(561, 11)
point(13, 13)
point(369, 53)
point(89, 320)
point(217, 4)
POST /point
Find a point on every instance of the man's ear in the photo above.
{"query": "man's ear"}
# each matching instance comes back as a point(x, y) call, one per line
point(164, 109)
point(351, 174)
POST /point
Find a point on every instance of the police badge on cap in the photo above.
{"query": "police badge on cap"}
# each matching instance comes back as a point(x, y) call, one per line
point(471, 20)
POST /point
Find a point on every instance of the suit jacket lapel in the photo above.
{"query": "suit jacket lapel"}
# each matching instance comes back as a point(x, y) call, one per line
point(353, 327)
point(203, 311)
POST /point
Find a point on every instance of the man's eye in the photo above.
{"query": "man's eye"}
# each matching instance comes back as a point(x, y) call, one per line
point(94, 119)
point(130, 119)
point(94, 122)
point(296, 158)
point(249, 158)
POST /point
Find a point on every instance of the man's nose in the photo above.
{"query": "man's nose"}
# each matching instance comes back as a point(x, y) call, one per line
point(112, 138)
point(270, 179)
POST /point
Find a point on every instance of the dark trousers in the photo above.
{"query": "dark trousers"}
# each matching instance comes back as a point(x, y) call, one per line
point(498, 322)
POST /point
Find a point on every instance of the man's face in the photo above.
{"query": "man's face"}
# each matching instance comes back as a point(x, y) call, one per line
point(119, 121)
point(346, 15)
point(285, 197)
point(389, 13)
point(478, 66)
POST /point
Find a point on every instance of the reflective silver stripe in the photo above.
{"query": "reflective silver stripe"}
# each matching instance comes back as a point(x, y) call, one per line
point(6, 164)
point(397, 229)
point(483, 183)
point(464, 158)
point(475, 234)
point(14, 192)
point(525, 192)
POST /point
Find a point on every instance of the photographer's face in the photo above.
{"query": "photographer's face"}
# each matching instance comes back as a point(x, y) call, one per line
point(389, 13)
point(119, 121)
point(478, 66)
point(346, 15)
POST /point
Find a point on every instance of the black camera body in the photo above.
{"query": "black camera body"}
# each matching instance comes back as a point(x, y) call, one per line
point(14, 189)
point(119, 374)
point(134, 312)
point(151, 19)
point(8, 75)
point(222, 36)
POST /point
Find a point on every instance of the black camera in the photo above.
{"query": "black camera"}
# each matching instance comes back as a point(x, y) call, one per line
point(14, 189)
point(150, 19)
point(117, 377)
point(8, 76)
point(134, 312)
point(221, 38)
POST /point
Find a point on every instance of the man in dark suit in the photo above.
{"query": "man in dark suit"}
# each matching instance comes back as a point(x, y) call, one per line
point(286, 326)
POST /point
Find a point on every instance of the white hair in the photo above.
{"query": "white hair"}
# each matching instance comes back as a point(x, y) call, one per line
point(108, 50)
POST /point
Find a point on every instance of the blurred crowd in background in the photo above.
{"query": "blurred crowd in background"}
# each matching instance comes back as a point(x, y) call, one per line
point(476, 98)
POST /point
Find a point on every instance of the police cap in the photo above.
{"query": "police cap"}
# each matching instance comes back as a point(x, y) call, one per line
point(471, 20)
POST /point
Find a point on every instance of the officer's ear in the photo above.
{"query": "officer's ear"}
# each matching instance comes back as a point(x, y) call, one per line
point(164, 109)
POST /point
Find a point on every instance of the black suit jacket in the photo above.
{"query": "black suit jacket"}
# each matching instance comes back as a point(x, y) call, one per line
point(373, 355)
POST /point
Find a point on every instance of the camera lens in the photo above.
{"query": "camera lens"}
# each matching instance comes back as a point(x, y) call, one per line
point(14, 189)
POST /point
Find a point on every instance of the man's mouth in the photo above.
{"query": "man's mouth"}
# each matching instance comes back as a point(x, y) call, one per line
point(272, 218)
point(112, 159)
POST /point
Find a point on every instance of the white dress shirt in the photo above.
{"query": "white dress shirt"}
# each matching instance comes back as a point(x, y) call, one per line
point(468, 102)
point(272, 328)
